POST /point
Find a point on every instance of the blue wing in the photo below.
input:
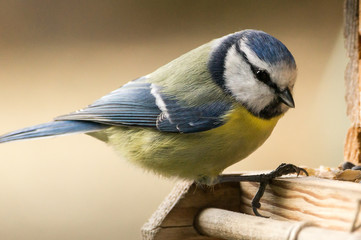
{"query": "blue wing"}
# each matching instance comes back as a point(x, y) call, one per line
point(140, 103)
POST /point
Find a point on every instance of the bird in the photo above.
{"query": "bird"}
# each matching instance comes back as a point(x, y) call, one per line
point(196, 115)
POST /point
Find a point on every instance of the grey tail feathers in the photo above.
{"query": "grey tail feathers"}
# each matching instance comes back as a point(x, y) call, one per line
point(52, 129)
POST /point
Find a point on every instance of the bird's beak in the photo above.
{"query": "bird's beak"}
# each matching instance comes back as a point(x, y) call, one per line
point(286, 97)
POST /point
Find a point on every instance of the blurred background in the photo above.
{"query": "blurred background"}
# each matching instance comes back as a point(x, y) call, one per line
point(59, 56)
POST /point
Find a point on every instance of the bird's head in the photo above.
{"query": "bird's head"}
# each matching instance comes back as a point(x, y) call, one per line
point(257, 70)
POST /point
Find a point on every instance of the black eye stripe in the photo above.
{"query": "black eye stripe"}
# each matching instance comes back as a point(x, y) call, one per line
point(261, 75)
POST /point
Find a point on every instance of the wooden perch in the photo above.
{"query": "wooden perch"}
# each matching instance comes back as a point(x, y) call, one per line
point(231, 225)
point(328, 204)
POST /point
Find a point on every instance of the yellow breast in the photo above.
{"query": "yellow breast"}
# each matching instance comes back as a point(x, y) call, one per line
point(242, 134)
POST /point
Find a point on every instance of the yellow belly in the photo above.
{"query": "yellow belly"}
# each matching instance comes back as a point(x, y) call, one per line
point(193, 155)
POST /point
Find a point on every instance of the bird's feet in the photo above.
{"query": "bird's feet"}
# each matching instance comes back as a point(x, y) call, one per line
point(263, 179)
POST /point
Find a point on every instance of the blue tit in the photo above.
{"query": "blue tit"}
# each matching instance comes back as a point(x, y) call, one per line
point(194, 116)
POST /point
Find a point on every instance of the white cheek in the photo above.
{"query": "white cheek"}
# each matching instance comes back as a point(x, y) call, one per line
point(240, 80)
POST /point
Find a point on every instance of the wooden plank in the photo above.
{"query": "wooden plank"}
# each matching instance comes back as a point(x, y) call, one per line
point(330, 204)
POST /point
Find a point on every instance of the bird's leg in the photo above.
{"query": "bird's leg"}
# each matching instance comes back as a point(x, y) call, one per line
point(263, 179)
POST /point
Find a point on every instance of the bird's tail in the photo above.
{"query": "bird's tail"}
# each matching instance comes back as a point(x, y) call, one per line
point(52, 129)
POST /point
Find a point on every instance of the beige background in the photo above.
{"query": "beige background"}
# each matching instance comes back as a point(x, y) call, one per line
point(59, 56)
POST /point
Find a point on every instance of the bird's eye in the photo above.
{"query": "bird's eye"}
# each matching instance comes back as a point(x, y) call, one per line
point(263, 76)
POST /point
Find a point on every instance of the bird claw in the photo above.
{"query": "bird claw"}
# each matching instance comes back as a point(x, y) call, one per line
point(285, 169)
point(264, 180)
